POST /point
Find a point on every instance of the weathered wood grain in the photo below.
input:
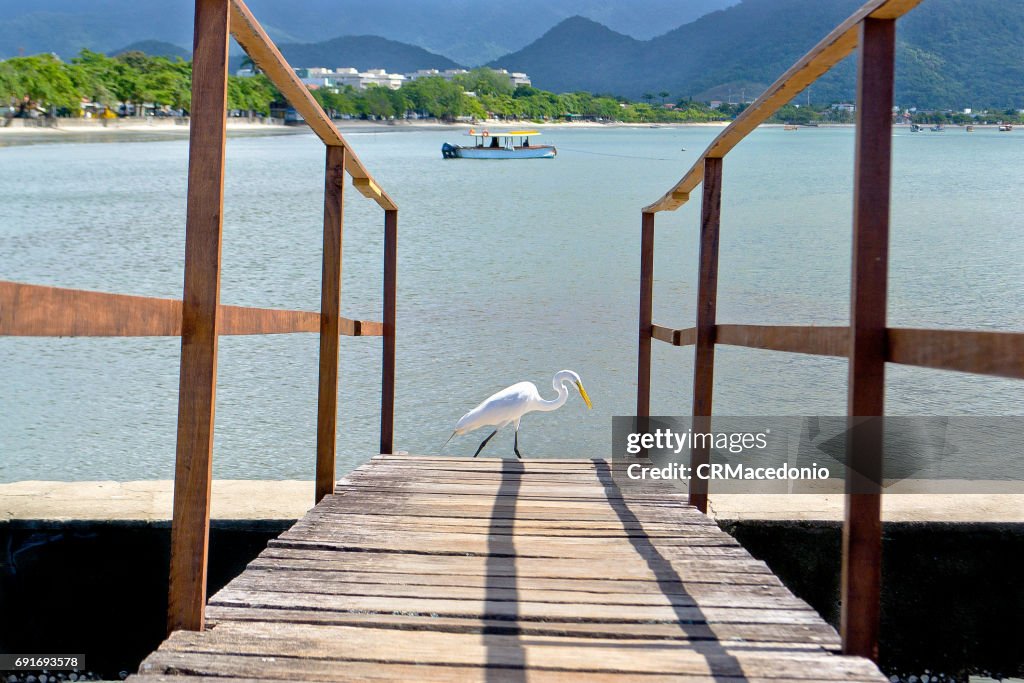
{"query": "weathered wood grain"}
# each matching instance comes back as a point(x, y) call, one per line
point(645, 327)
point(861, 581)
point(330, 321)
point(40, 311)
point(492, 570)
point(200, 318)
point(387, 374)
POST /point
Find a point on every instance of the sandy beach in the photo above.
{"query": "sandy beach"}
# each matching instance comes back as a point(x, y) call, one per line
point(74, 128)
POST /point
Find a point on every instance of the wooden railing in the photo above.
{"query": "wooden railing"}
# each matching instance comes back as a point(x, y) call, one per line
point(199, 318)
point(868, 343)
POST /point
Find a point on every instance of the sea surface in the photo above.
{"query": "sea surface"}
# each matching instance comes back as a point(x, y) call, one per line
point(508, 271)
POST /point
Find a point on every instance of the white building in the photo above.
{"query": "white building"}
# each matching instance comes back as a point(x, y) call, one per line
point(382, 78)
point(515, 78)
point(342, 76)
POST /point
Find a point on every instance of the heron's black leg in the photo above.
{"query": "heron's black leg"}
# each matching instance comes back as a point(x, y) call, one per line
point(516, 447)
point(484, 443)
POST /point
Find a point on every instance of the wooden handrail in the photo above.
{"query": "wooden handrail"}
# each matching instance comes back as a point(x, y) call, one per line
point(264, 53)
point(835, 47)
point(41, 311)
point(200, 319)
point(993, 353)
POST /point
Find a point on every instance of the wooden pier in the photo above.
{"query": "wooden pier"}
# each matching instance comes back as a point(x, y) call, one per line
point(437, 569)
point(458, 569)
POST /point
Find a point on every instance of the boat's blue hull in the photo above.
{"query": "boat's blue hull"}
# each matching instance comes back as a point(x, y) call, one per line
point(456, 152)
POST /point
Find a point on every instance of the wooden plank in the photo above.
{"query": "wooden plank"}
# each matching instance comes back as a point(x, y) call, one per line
point(238, 320)
point(233, 668)
point(796, 636)
point(502, 524)
point(190, 526)
point(645, 327)
point(314, 583)
point(330, 321)
point(41, 311)
point(569, 588)
point(684, 337)
point(862, 526)
point(520, 609)
point(227, 667)
point(473, 545)
point(707, 303)
point(819, 341)
point(387, 375)
point(987, 353)
point(344, 644)
point(255, 41)
point(832, 49)
point(730, 570)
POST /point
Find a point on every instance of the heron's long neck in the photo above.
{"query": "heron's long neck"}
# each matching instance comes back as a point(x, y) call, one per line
point(557, 402)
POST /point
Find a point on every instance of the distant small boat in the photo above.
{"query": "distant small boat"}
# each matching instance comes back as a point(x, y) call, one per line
point(970, 129)
point(938, 129)
point(513, 144)
point(790, 126)
point(915, 128)
point(1005, 128)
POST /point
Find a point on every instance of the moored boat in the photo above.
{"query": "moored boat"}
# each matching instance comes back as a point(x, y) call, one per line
point(499, 145)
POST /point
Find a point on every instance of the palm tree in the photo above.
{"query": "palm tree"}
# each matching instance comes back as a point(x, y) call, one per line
point(663, 94)
point(247, 63)
point(648, 96)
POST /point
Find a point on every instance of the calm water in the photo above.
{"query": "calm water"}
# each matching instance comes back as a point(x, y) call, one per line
point(507, 271)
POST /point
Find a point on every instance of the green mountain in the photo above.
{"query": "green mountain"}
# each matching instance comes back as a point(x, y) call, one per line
point(361, 52)
point(467, 31)
point(156, 48)
point(950, 54)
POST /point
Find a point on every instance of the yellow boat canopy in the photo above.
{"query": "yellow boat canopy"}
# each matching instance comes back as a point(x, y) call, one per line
point(500, 134)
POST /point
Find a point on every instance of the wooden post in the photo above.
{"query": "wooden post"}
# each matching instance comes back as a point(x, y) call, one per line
point(387, 389)
point(330, 314)
point(862, 527)
point(643, 377)
point(190, 528)
point(707, 302)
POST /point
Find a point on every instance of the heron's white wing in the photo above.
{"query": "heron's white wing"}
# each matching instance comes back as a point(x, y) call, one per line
point(500, 408)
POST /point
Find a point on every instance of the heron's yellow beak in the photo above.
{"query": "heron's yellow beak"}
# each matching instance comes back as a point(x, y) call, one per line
point(583, 393)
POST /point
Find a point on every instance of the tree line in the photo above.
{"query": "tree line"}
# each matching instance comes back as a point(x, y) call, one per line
point(45, 83)
point(483, 93)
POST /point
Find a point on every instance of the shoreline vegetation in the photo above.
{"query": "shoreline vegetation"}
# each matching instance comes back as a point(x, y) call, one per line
point(136, 91)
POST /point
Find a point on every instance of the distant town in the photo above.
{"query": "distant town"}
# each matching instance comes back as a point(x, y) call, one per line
point(43, 89)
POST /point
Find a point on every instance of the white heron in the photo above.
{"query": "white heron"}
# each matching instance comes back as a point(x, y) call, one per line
point(510, 404)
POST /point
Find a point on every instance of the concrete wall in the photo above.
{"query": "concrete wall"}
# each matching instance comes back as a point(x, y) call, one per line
point(953, 592)
point(953, 597)
point(100, 588)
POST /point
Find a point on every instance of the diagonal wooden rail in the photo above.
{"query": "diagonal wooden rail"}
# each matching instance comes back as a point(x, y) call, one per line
point(199, 317)
point(867, 342)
